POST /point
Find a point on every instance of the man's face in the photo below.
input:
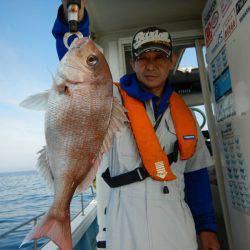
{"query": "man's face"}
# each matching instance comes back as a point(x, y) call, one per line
point(152, 68)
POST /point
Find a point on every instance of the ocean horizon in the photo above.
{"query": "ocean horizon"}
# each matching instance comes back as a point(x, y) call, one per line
point(18, 171)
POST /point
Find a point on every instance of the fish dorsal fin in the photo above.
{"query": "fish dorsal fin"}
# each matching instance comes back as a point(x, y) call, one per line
point(36, 102)
point(44, 168)
point(117, 121)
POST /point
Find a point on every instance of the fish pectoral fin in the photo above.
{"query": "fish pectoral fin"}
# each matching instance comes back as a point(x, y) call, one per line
point(57, 229)
point(118, 116)
point(117, 121)
point(36, 102)
point(44, 167)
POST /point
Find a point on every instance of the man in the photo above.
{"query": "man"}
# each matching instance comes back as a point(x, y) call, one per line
point(145, 206)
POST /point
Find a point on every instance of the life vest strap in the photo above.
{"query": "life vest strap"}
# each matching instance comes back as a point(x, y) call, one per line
point(138, 174)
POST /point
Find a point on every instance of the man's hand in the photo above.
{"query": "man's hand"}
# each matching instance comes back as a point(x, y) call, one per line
point(81, 12)
point(209, 241)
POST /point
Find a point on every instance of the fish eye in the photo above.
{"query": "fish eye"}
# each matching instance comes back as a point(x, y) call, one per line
point(92, 60)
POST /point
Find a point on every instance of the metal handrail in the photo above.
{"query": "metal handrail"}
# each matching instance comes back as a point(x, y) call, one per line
point(21, 225)
point(38, 216)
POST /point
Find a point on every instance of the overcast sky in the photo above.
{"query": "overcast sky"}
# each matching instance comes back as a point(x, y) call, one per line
point(28, 55)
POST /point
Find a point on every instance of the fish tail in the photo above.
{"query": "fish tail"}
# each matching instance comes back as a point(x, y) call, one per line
point(54, 227)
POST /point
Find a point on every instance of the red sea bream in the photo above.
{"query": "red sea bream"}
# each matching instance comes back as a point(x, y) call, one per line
point(81, 118)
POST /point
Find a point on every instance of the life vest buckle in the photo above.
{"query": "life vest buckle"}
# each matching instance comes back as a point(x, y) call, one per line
point(142, 174)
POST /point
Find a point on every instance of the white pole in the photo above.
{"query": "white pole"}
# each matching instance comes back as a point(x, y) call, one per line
point(212, 130)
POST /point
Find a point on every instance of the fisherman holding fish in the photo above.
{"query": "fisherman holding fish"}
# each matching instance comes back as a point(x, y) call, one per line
point(156, 180)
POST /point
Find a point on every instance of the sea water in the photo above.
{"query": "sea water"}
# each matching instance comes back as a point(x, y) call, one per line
point(24, 195)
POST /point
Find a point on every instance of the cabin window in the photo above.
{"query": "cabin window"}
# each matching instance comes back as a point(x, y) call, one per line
point(189, 59)
point(128, 56)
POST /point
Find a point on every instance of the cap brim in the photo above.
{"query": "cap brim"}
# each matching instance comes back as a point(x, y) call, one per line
point(164, 49)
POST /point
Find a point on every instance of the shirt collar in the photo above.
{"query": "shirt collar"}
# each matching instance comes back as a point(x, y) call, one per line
point(135, 89)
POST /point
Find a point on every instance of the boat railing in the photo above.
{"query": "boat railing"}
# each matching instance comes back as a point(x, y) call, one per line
point(35, 220)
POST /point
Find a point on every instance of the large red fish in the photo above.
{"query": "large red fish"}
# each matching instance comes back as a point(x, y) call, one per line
point(81, 118)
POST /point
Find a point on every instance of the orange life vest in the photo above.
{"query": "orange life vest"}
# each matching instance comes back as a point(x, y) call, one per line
point(152, 155)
